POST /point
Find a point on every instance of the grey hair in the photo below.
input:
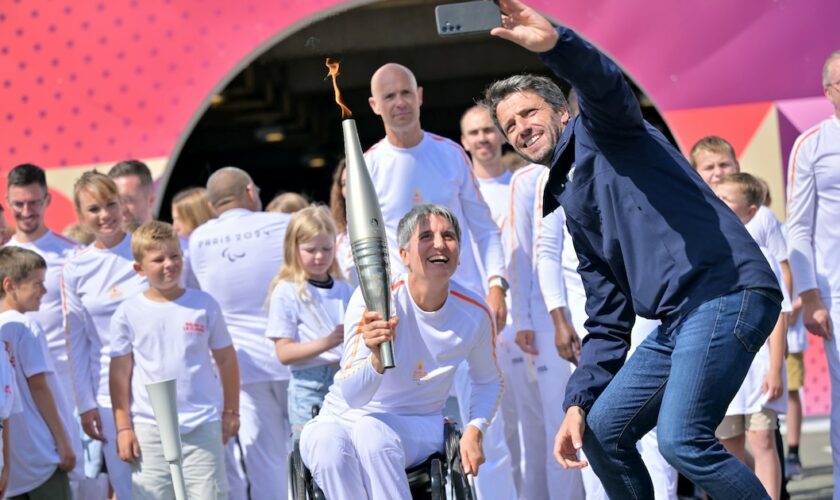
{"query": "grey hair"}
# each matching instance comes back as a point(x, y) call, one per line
point(408, 224)
point(826, 67)
point(544, 87)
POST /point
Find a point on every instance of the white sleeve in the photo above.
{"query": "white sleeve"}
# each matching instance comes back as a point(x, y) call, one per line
point(776, 244)
point(282, 315)
point(219, 334)
point(122, 338)
point(486, 378)
point(550, 259)
point(78, 340)
point(802, 202)
point(358, 379)
point(521, 253)
point(483, 228)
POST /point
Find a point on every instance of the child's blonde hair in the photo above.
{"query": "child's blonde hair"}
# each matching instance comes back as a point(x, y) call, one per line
point(97, 184)
point(305, 224)
point(17, 264)
point(753, 188)
point(288, 203)
point(193, 208)
point(151, 235)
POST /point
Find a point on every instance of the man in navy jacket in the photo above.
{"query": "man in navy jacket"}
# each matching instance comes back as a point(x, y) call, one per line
point(652, 240)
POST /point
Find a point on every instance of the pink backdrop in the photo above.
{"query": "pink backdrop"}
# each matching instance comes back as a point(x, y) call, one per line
point(84, 83)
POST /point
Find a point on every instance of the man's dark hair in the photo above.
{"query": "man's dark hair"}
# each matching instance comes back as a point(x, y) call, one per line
point(544, 87)
point(27, 174)
point(132, 167)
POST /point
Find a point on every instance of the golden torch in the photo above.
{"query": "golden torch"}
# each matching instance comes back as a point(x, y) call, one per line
point(365, 226)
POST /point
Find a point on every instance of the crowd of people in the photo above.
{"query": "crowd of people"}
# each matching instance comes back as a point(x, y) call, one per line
point(609, 314)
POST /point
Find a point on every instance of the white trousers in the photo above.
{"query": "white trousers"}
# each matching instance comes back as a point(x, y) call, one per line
point(264, 435)
point(356, 457)
point(832, 353)
point(552, 374)
point(495, 477)
point(119, 472)
point(203, 464)
point(525, 414)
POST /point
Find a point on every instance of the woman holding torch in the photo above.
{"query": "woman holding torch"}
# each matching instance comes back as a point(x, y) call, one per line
point(375, 423)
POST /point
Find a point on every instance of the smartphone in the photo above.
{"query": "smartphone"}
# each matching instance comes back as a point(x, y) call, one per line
point(467, 17)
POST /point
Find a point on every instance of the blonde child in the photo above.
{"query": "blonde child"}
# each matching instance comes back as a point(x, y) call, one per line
point(307, 301)
point(41, 455)
point(755, 408)
point(163, 333)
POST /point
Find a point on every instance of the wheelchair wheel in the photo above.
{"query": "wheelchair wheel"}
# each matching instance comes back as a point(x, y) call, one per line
point(438, 482)
point(461, 489)
point(297, 475)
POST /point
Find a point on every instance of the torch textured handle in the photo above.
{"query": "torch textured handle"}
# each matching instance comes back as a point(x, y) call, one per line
point(372, 267)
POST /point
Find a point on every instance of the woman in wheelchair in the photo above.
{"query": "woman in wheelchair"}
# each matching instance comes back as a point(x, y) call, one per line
point(375, 423)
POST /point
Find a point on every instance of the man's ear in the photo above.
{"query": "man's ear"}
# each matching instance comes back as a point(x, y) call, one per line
point(464, 143)
point(8, 285)
point(373, 105)
point(419, 96)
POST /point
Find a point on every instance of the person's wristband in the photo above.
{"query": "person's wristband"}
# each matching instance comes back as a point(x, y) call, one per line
point(230, 411)
point(125, 429)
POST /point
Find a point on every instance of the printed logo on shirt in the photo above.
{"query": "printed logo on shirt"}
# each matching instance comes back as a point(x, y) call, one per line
point(419, 371)
point(115, 293)
point(191, 328)
point(232, 255)
point(244, 236)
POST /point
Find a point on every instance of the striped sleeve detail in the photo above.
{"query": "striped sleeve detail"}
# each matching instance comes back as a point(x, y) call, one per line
point(492, 322)
point(792, 174)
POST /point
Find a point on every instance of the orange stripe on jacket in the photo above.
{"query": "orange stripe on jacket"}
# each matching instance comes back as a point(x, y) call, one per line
point(792, 173)
point(493, 343)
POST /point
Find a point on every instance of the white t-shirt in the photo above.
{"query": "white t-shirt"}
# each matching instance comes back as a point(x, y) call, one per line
point(814, 210)
point(33, 452)
point(766, 230)
point(436, 171)
point(172, 340)
point(428, 348)
point(292, 317)
point(344, 257)
point(234, 257)
point(497, 190)
point(94, 282)
point(749, 399)
point(55, 249)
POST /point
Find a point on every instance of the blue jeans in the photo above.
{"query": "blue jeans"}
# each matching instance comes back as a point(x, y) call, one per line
point(308, 387)
point(682, 382)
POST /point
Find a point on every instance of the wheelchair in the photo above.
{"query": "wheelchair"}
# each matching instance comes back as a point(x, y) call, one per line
point(432, 479)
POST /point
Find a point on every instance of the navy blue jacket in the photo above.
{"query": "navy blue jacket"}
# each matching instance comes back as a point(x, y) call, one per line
point(651, 237)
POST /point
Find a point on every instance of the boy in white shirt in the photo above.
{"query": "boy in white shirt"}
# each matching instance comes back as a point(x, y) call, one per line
point(164, 333)
point(375, 423)
point(41, 451)
point(755, 408)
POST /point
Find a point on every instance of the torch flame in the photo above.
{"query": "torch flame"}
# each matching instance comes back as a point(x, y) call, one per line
point(345, 111)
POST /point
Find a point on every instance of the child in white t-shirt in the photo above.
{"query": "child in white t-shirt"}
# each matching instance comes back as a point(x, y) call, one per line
point(755, 408)
point(169, 332)
point(41, 454)
point(306, 311)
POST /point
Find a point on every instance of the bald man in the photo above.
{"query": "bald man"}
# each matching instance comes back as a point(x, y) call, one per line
point(234, 257)
point(410, 167)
